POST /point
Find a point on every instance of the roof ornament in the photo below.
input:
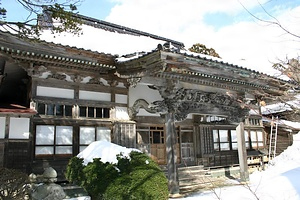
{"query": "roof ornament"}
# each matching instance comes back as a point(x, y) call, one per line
point(167, 46)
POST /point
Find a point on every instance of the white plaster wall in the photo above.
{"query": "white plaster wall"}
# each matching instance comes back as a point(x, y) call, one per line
point(190, 116)
point(2, 127)
point(55, 92)
point(19, 128)
point(121, 98)
point(143, 92)
point(97, 96)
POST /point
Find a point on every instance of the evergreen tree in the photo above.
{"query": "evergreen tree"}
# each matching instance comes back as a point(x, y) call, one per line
point(201, 48)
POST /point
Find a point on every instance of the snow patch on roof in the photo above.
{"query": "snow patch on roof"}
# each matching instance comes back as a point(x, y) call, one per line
point(100, 40)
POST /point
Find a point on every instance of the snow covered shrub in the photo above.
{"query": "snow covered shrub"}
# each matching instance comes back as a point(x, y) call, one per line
point(12, 184)
point(139, 178)
point(133, 177)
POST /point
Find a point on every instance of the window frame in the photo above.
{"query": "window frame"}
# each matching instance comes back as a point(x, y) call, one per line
point(96, 135)
point(255, 141)
point(219, 142)
point(54, 143)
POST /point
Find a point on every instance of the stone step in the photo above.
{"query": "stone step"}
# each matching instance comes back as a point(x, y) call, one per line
point(195, 182)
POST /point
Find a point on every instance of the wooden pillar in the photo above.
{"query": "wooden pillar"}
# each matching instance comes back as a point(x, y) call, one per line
point(244, 174)
point(173, 181)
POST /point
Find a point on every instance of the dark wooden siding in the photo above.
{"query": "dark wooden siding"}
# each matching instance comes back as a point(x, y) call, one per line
point(17, 155)
point(2, 153)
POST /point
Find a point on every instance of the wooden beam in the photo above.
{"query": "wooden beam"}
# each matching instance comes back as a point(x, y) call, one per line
point(173, 181)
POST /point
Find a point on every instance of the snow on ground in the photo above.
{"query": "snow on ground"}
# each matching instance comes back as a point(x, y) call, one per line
point(280, 181)
point(105, 150)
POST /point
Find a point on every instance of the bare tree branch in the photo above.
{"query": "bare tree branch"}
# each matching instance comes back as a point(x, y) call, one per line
point(276, 22)
point(61, 12)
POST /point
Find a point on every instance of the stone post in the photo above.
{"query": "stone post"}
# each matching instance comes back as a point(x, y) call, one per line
point(244, 174)
point(171, 137)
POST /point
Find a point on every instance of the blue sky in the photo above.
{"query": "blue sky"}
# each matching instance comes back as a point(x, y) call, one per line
point(100, 9)
point(221, 24)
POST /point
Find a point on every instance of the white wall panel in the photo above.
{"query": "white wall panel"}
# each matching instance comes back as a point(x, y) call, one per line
point(143, 92)
point(19, 128)
point(2, 127)
point(97, 96)
point(143, 112)
point(121, 98)
point(55, 92)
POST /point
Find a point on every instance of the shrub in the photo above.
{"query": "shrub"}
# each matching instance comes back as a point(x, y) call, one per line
point(141, 179)
point(74, 172)
point(12, 184)
point(137, 177)
point(98, 176)
point(94, 177)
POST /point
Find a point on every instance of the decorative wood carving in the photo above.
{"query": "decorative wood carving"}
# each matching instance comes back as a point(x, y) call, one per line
point(133, 81)
point(95, 81)
point(182, 101)
point(58, 76)
point(36, 70)
point(76, 78)
point(155, 107)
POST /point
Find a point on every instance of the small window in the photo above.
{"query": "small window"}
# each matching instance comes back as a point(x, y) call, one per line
point(82, 111)
point(221, 140)
point(59, 110)
point(91, 112)
point(106, 113)
point(68, 111)
point(50, 109)
point(156, 137)
point(55, 110)
point(94, 112)
point(41, 109)
point(256, 137)
point(99, 112)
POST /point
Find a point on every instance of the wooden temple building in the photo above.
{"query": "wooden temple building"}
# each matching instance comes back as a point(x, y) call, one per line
point(180, 107)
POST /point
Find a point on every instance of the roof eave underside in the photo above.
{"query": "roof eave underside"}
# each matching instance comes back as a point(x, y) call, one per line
point(203, 71)
point(28, 50)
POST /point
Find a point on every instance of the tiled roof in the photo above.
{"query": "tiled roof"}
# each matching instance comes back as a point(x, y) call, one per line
point(37, 49)
point(17, 109)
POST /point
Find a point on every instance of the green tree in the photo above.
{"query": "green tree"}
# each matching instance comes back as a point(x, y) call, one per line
point(59, 17)
point(201, 48)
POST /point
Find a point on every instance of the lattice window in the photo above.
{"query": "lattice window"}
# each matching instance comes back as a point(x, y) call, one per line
point(94, 112)
point(59, 110)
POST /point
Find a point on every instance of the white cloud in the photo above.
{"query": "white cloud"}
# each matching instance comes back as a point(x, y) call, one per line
point(252, 43)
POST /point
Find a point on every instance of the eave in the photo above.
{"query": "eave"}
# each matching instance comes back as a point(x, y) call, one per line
point(44, 53)
point(202, 71)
